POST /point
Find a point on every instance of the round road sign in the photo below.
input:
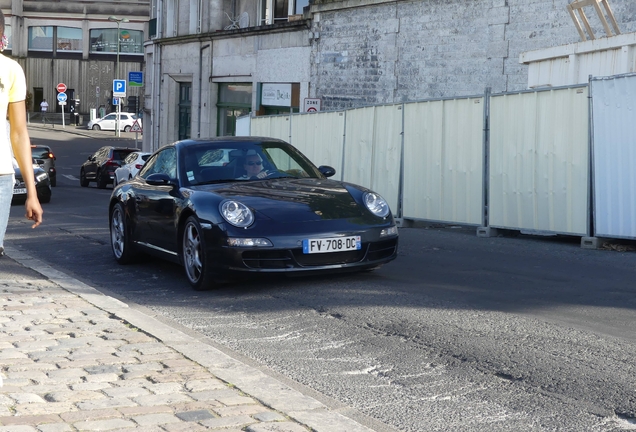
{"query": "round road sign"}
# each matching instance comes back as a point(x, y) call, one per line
point(61, 87)
point(312, 109)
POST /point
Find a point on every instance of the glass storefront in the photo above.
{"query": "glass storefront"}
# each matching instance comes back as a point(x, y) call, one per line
point(235, 100)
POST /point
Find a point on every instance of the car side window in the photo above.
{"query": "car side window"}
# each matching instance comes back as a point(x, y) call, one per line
point(110, 117)
point(163, 162)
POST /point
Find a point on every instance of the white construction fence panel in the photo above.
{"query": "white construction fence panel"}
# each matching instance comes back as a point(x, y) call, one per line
point(271, 126)
point(320, 137)
point(373, 142)
point(243, 125)
point(443, 161)
point(538, 161)
point(614, 156)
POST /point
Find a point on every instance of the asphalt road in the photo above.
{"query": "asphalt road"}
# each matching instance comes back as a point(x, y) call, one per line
point(460, 333)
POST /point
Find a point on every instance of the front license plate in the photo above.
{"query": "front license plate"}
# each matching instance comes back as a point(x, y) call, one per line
point(19, 191)
point(335, 244)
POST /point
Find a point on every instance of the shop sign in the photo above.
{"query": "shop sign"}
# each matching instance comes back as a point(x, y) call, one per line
point(276, 94)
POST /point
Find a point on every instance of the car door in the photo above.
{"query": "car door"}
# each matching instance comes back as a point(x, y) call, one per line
point(124, 172)
point(108, 122)
point(156, 205)
point(91, 166)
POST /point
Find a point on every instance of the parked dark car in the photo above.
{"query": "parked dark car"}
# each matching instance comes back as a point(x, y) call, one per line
point(45, 155)
point(42, 183)
point(267, 210)
point(100, 166)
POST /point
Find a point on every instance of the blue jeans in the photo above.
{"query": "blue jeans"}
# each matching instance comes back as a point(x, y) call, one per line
point(6, 194)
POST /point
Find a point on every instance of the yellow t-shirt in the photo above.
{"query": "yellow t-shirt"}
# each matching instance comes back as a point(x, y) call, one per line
point(12, 89)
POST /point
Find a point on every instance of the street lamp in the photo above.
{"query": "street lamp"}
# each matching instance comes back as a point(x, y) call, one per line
point(118, 21)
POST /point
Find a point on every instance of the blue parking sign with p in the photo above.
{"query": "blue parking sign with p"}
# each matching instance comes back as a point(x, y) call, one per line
point(119, 88)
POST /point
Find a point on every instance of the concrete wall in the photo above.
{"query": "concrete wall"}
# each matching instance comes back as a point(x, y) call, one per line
point(280, 57)
point(372, 51)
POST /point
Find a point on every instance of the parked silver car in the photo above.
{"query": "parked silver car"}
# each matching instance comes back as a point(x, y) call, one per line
point(126, 122)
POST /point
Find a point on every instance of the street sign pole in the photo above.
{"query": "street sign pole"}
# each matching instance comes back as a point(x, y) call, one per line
point(61, 97)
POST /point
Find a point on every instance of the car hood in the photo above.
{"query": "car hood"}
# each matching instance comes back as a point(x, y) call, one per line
point(36, 171)
point(299, 200)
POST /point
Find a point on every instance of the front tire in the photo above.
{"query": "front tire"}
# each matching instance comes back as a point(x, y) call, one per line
point(194, 256)
point(83, 180)
point(101, 181)
point(127, 128)
point(96, 127)
point(120, 240)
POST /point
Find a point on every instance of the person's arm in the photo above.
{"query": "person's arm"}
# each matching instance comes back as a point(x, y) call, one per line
point(21, 145)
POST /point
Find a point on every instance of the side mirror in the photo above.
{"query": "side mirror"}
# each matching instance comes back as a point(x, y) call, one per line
point(160, 179)
point(327, 171)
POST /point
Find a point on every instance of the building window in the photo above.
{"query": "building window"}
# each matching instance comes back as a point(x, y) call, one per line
point(69, 39)
point(235, 100)
point(41, 39)
point(274, 11)
point(185, 110)
point(63, 39)
point(105, 41)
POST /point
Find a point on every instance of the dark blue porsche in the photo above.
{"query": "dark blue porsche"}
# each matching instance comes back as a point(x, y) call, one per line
point(238, 205)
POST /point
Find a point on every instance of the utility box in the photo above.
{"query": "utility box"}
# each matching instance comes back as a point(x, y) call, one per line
point(93, 113)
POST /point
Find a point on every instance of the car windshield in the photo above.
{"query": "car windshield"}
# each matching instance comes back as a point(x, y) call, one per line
point(218, 162)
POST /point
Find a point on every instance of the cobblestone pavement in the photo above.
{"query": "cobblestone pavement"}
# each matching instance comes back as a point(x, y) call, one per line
point(74, 359)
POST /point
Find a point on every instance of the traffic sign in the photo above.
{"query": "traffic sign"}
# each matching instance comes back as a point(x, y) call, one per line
point(312, 104)
point(136, 79)
point(115, 101)
point(119, 88)
point(61, 97)
point(62, 103)
point(61, 87)
point(135, 127)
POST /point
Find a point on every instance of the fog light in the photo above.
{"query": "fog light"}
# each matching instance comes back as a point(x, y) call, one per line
point(248, 242)
point(389, 231)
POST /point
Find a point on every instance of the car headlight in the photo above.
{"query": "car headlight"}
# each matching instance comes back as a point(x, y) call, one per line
point(376, 204)
point(41, 177)
point(236, 213)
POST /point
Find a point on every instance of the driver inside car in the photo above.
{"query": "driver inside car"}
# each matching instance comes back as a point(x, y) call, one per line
point(253, 166)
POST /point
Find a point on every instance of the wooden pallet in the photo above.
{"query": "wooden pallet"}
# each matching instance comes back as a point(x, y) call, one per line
point(578, 6)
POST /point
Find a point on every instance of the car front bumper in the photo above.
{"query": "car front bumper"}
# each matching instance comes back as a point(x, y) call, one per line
point(286, 255)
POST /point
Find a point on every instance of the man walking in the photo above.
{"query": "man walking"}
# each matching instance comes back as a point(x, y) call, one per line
point(44, 107)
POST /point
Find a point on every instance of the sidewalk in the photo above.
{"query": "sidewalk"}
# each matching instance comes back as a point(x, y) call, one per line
point(83, 131)
point(74, 359)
